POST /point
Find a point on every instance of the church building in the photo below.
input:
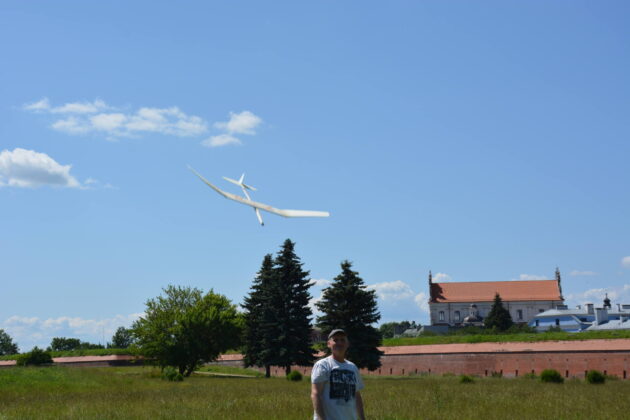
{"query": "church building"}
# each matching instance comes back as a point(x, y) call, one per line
point(467, 303)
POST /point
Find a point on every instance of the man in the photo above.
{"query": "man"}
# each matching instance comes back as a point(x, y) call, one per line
point(336, 383)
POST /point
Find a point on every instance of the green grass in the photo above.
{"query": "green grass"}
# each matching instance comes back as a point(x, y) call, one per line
point(231, 370)
point(494, 338)
point(139, 393)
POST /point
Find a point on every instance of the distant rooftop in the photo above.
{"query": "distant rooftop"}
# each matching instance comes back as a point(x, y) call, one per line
point(484, 291)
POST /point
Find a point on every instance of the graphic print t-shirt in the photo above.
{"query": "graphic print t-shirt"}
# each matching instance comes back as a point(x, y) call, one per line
point(341, 381)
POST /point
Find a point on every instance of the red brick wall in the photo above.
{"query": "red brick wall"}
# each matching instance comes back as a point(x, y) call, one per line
point(510, 364)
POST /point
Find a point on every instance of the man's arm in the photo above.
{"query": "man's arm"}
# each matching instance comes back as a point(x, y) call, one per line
point(360, 412)
point(317, 392)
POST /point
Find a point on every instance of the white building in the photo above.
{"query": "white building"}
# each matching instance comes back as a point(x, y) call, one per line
point(587, 318)
point(451, 303)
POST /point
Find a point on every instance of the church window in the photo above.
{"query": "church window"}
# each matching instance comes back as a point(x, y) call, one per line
point(519, 314)
point(541, 310)
point(457, 316)
point(441, 316)
point(557, 322)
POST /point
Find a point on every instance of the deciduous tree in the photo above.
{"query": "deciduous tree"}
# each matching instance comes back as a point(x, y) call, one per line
point(184, 328)
point(64, 344)
point(122, 338)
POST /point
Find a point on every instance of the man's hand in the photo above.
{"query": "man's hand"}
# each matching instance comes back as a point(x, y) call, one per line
point(317, 390)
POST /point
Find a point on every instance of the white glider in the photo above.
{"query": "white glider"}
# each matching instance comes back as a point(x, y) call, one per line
point(256, 205)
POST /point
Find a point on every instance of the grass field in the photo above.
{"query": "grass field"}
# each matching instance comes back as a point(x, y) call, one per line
point(139, 393)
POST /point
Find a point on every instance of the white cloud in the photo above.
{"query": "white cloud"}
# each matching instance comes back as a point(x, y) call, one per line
point(41, 105)
point(531, 277)
point(220, 140)
point(79, 107)
point(321, 282)
point(90, 117)
point(72, 125)
point(80, 118)
point(618, 294)
point(582, 273)
point(108, 122)
point(27, 168)
point(91, 183)
point(422, 302)
point(30, 331)
point(441, 278)
point(393, 290)
point(312, 302)
point(242, 123)
point(625, 261)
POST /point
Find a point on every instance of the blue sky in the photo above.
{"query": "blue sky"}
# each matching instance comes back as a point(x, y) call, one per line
point(482, 140)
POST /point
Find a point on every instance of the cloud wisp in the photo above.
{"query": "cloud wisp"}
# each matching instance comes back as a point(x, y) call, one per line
point(441, 278)
point(392, 290)
point(531, 277)
point(31, 331)
point(583, 273)
point(396, 299)
point(97, 117)
point(618, 294)
point(245, 122)
point(625, 262)
point(29, 169)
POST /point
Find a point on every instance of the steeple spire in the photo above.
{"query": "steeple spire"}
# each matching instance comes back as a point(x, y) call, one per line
point(558, 279)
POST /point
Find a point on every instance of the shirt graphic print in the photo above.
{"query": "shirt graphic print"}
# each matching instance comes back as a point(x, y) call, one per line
point(342, 384)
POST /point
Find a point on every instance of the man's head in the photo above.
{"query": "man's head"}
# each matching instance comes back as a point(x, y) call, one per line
point(338, 343)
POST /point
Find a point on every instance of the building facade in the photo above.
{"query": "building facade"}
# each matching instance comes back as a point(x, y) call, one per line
point(467, 303)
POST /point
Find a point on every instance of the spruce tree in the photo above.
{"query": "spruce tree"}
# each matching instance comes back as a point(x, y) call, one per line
point(348, 305)
point(498, 318)
point(260, 326)
point(290, 299)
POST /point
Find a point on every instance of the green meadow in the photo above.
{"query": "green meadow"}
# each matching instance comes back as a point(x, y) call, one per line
point(494, 337)
point(139, 393)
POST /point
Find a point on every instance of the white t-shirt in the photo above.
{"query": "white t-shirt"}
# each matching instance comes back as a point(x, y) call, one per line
point(341, 381)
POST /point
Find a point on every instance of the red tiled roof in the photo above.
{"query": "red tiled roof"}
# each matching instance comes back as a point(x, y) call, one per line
point(484, 291)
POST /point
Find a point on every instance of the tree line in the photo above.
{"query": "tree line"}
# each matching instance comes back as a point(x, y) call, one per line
point(185, 327)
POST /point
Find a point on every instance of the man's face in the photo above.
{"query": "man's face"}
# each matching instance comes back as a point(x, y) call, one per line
point(338, 344)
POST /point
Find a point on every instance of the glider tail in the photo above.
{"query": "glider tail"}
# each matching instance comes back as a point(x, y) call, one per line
point(240, 183)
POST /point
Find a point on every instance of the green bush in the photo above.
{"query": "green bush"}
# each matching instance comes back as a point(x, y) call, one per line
point(551, 376)
point(465, 379)
point(530, 375)
point(169, 373)
point(595, 377)
point(496, 374)
point(294, 376)
point(35, 357)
